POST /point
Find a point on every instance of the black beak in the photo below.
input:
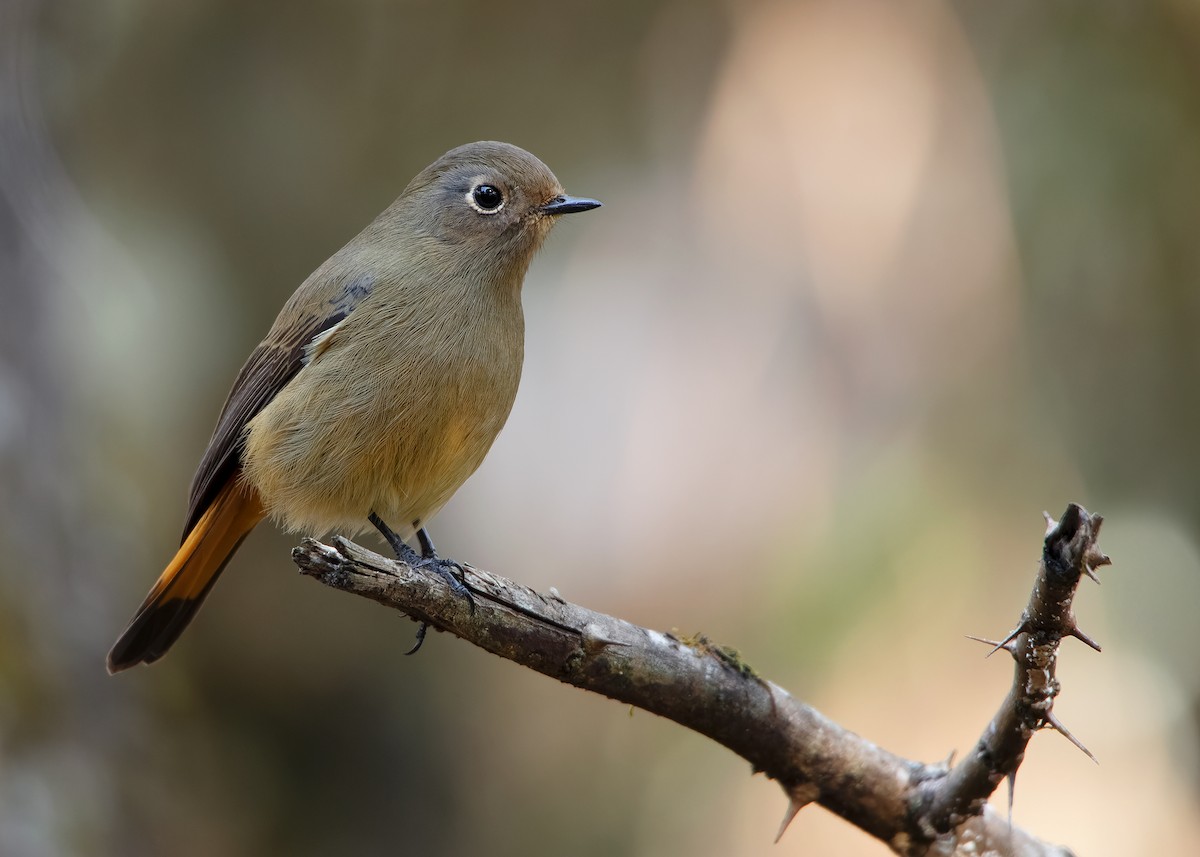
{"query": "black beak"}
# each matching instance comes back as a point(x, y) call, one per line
point(563, 204)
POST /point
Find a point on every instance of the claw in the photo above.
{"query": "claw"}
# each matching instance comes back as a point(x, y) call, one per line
point(442, 568)
point(421, 629)
point(427, 560)
point(430, 560)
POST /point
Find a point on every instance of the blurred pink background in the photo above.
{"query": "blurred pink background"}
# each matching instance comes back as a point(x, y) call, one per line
point(874, 284)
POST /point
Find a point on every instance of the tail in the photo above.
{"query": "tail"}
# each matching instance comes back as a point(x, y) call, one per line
point(181, 588)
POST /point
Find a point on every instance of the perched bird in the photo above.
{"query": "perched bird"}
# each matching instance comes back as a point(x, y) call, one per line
point(379, 388)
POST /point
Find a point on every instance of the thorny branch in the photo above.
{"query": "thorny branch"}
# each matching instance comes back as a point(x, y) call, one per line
point(917, 809)
point(1070, 551)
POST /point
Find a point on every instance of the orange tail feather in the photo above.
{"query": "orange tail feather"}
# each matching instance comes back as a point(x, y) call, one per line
point(181, 588)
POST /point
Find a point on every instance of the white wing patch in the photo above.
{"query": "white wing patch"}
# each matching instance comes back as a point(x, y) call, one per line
point(319, 343)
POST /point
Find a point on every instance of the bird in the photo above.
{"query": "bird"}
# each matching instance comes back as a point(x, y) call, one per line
point(379, 388)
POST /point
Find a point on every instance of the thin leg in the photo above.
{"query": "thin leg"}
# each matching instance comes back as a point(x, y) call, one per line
point(428, 559)
point(403, 552)
point(444, 567)
point(408, 555)
point(428, 551)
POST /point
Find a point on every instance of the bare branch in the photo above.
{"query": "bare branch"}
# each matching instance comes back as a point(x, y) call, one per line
point(1069, 552)
point(916, 809)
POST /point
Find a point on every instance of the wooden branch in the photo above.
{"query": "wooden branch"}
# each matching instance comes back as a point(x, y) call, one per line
point(917, 809)
point(1069, 552)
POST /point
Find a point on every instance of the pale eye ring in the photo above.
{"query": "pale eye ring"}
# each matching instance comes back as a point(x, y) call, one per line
point(486, 198)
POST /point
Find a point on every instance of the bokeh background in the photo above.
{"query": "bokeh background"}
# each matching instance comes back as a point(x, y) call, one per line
point(875, 283)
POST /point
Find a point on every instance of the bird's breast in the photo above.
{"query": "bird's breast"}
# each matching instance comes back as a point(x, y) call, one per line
point(389, 418)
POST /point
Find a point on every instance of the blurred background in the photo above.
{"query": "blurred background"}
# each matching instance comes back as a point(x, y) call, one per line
point(874, 284)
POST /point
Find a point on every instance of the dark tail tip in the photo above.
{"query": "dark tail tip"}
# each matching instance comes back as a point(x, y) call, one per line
point(153, 630)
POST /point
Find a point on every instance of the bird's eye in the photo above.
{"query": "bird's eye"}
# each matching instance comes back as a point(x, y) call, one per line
point(486, 198)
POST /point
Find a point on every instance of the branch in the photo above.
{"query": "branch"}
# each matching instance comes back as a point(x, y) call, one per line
point(1069, 552)
point(917, 809)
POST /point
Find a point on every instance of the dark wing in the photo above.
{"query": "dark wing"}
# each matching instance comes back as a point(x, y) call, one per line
point(270, 366)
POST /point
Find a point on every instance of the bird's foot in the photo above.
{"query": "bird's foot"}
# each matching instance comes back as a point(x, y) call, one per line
point(427, 559)
point(445, 569)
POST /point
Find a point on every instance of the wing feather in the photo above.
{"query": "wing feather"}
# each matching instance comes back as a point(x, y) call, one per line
point(268, 369)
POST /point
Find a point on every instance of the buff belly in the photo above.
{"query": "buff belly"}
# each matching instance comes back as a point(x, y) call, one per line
point(324, 458)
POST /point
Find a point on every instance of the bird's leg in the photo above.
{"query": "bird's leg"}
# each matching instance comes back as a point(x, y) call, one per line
point(444, 567)
point(404, 553)
point(428, 559)
point(407, 555)
point(427, 549)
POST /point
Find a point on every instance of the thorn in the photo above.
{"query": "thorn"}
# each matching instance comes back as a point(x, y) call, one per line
point(1082, 637)
point(798, 798)
point(983, 640)
point(1093, 560)
point(948, 762)
point(593, 639)
point(792, 811)
point(1012, 793)
point(1012, 635)
point(1051, 522)
point(1054, 723)
point(996, 646)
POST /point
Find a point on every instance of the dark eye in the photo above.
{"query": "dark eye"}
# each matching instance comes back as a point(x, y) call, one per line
point(487, 198)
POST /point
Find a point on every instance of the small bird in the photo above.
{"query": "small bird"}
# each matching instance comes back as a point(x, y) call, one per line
point(379, 388)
